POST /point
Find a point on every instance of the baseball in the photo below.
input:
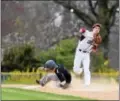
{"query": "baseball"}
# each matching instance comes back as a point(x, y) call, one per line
point(71, 10)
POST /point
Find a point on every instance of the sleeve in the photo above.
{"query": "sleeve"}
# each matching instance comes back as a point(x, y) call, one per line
point(60, 75)
point(84, 32)
point(82, 37)
point(67, 76)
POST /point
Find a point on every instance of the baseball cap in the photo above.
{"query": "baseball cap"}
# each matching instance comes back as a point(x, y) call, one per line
point(50, 64)
point(97, 24)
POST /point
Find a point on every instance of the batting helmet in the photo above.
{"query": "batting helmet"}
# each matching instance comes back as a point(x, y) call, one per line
point(50, 64)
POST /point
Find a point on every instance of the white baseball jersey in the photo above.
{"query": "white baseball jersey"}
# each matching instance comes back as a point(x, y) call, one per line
point(86, 43)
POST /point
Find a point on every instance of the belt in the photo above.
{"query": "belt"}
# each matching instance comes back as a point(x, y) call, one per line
point(83, 51)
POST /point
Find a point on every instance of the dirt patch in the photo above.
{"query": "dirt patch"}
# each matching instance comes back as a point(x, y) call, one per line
point(101, 89)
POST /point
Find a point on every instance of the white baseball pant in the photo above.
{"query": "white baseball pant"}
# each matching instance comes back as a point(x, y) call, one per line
point(82, 58)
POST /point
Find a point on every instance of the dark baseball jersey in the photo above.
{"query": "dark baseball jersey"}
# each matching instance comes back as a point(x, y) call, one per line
point(63, 74)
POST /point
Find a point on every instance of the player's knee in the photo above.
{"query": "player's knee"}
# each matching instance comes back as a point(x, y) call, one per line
point(86, 71)
point(77, 71)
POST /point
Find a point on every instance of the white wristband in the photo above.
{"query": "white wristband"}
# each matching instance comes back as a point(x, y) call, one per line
point(63, 83)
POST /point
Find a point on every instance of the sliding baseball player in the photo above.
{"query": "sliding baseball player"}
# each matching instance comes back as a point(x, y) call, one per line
point(56, 72)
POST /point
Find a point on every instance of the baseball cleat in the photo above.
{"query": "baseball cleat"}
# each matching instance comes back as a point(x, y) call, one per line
point(37, 81)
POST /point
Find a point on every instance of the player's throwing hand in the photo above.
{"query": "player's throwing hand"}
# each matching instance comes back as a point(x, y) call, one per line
point(88, 42)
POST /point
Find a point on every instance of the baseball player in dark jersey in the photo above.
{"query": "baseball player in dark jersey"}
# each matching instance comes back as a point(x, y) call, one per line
point(56, 72)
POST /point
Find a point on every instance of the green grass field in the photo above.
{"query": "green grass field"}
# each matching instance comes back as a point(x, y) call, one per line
point(21, 94)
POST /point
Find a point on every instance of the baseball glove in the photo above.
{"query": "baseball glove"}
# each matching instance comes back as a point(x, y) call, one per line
point(97, 39)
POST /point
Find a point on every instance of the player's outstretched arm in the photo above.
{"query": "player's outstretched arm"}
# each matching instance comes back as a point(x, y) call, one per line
point(80, 33)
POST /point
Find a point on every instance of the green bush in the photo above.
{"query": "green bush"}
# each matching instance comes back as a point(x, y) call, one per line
point(66, 47)
point(22, 55)
point(46, 55)
point(62, 53)
point(66, 60)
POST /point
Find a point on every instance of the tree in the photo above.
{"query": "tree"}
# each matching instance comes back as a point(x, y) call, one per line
point(100, 13)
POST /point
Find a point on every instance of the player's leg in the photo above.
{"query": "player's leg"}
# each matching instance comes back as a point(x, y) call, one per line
point(64, 86)
point(86, 65)
point(77, 63)
point(45, 79)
